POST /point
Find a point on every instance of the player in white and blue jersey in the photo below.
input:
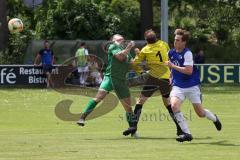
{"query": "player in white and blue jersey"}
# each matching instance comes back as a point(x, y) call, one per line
point(185, 79)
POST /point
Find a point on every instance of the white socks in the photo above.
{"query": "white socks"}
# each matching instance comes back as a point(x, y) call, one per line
point(83, 77)
point(209, 115)
point(181, 122)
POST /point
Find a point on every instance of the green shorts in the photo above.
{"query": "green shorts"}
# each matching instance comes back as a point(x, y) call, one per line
point(119, 86)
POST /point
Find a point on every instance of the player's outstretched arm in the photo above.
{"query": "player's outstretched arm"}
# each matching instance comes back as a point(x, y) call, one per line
point(122, 55)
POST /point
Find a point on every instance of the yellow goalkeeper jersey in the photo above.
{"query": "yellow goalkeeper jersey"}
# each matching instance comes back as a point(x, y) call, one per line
point(155, 55)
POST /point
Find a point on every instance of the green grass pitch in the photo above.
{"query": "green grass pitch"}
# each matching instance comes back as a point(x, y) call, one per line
point(30, 130)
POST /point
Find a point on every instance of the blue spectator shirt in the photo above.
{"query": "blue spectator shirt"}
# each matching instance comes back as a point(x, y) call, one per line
point(46, 56)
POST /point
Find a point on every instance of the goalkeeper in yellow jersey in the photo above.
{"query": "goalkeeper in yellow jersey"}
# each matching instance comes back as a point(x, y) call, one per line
point(155, 53)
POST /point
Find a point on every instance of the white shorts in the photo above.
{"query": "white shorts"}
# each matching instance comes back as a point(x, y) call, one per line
point(192, 93)
point(97, 77)
point(82, 69)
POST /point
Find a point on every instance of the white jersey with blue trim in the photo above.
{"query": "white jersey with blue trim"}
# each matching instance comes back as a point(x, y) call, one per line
point(184, 58)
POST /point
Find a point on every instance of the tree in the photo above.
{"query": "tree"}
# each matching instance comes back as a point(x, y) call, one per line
point(146, 15)
point(210, 22)
point(15, 44)
point(3, 25)
point(128, 12)
point(74, 19)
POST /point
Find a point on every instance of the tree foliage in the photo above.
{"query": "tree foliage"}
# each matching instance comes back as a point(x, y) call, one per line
point(3, 25)
point(16, 47)
point(216, 21)
point(213, 24)
point(84, 19)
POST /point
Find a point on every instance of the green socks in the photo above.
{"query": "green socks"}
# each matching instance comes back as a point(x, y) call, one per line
point(90, 106)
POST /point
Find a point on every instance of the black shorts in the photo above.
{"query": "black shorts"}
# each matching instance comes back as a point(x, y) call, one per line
point(47, 68)
point(153, 84)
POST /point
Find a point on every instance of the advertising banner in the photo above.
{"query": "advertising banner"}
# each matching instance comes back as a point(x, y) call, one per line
point(12, 75)
point(29, 75)
point(220, 73)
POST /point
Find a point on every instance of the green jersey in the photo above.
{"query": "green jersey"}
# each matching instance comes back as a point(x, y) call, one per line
point(81, 56)
point(117, 69)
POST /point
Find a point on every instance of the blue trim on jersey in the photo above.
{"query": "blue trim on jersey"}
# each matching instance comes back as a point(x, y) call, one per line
point(180, 79)
point(46, 56)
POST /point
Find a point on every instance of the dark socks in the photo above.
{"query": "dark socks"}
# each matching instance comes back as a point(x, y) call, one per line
point(138, 111)
point(131, 119)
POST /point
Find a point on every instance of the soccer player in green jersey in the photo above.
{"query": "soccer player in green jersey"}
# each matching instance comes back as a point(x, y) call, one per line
point(115, 79)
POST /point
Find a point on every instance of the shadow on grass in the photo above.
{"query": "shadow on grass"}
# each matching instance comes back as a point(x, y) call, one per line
point(194, 142)
point(218, 143)
point(151, 138)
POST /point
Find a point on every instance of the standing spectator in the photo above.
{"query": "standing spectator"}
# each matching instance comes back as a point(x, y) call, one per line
point(94, 71)
point(47, 58)
point(199, 57)
point(81, 63)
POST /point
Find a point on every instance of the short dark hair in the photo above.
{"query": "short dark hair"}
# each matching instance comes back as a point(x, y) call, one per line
point(82, 44)
point(149, 31)
point(185, 34)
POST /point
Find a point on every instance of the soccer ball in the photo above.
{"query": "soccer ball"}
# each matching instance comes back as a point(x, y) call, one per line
point(15, 25)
